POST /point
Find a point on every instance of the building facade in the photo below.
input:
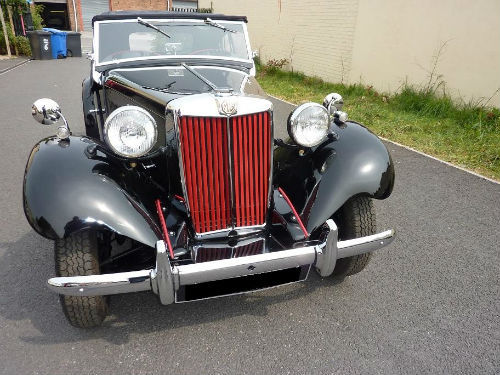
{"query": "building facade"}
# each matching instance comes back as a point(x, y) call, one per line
point(381, 43)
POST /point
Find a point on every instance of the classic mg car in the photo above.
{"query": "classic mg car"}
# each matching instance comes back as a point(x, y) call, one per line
point(179, 185)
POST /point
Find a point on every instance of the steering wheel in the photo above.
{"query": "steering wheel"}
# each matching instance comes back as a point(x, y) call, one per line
point(203, 50)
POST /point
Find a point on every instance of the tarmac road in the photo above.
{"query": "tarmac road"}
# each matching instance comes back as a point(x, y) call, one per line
point(429, 303)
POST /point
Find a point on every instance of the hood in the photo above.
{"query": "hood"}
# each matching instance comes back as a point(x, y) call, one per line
point(163, 84)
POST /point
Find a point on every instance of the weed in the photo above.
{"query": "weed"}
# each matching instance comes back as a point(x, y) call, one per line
point(464, 133)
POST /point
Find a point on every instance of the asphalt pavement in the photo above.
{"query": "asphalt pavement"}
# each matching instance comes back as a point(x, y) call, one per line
point(429, 303)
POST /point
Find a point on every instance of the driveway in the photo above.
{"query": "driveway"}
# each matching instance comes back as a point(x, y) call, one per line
point(429, 303)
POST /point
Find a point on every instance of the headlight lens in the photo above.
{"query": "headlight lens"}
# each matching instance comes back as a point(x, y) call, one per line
point(130, 131)
point(308, 124)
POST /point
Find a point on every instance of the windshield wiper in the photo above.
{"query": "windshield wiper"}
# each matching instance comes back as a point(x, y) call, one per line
point(211, 22)
point(200, 77)
point(168, 91)
point(206, 81)
point(151, 26)
point(165, 89)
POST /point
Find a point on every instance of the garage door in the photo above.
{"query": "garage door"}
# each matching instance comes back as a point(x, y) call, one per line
point(90, 8)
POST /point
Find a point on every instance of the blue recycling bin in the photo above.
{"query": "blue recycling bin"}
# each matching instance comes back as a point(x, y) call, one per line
point(58, 41)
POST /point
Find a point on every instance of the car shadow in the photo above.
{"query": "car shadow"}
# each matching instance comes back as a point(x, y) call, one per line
point(27, 263)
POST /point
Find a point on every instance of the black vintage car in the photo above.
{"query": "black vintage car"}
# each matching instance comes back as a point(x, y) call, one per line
point(179, 186)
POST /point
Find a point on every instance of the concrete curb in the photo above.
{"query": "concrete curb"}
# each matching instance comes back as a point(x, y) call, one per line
point(418, 152)
point(6, 70)
point(442, 161)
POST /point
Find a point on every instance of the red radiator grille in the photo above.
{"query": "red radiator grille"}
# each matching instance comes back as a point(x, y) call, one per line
point(208, 254)
point(206, 172)
point(251, 157)
point(205, 160)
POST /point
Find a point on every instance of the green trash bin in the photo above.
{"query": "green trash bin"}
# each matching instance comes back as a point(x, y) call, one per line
point(73, 44)
point(41, 45)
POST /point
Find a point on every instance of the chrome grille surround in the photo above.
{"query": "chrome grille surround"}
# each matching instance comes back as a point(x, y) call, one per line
point(213, 106)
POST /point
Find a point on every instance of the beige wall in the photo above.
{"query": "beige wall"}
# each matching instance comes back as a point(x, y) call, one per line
point(301, 31)
point(380, 43)
point(397, 39)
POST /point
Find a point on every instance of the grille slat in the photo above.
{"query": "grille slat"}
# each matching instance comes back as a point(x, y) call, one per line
point(251, 188)
point(237, 166)
point(257, 202)
point(209, 254)
point(205, 162)
point(262, 164)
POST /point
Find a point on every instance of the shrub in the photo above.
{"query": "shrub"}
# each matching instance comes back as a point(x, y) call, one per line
point(36, 15)
point(22, 43)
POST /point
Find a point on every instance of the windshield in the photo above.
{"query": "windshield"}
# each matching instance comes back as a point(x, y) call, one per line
point(132, 40)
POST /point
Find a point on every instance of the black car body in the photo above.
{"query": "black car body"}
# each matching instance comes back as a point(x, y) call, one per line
point(213, 204)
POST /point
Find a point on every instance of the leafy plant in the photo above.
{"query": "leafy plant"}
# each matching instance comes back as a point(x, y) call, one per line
point(36, 16)
point(277, 63)
point(21, 42)
point(23, 45)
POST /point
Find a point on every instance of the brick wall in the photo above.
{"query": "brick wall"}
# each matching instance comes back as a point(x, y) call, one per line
point(138, 4)
point(71, 15)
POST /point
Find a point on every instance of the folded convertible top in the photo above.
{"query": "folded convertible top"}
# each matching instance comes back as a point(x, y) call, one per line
point(121, 15)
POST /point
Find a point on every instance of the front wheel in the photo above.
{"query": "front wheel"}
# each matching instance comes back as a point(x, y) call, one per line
point(77, 255)
point(356, 218)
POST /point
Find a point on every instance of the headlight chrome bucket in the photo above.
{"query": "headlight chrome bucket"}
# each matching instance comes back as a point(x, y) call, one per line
point(130, 131)
point(308, 125)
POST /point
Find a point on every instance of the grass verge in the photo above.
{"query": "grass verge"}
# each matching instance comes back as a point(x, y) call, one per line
point(466, 134)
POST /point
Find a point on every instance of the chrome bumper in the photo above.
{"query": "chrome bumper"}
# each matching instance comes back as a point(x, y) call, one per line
point(166, 280)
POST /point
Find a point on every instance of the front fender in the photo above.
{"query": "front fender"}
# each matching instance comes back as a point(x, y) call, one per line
point(321, 181)
point(64, 191)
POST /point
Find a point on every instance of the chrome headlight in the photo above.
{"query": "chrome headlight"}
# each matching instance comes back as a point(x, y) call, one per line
point(308, 125)
point(130, 131)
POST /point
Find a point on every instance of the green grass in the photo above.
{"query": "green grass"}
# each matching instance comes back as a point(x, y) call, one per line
point(466, 134)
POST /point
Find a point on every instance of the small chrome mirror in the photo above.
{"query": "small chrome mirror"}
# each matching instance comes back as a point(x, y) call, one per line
point(333, 102)
point(46, 111)
point(255, 54)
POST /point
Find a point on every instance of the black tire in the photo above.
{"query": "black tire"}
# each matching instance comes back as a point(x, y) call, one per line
point(356, 218)
point(77, 255)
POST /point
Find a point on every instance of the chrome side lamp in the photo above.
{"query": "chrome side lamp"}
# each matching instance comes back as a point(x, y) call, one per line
point(334, 103)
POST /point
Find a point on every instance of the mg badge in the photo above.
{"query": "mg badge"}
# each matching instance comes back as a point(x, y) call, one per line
point(227, 106)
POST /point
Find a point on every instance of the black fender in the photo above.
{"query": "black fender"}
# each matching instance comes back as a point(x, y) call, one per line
point(66, 191)
point(322, 179)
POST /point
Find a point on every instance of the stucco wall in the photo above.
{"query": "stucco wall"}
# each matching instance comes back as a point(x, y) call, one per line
point(397, 39)
point(381, 43)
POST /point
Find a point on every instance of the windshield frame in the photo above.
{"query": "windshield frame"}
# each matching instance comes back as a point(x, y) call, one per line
point(95, 43)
